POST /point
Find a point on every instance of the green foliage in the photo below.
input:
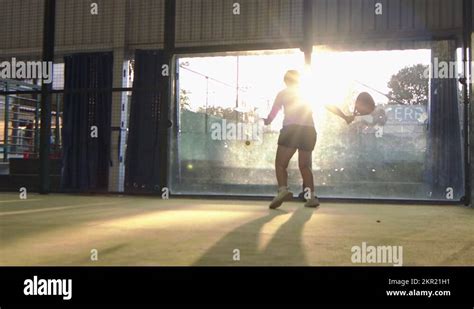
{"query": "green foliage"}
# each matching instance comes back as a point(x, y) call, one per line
point(184, 100)
point(409, 86)
point(219, 112)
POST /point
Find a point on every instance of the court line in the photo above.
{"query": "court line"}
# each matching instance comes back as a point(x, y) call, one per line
point(20, 200)
point(53, 208)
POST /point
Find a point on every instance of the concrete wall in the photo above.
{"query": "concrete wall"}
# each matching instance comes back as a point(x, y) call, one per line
point(145, 24)
point(21, 27)
point(340, 20)
point(77, 30)
point(212, 22)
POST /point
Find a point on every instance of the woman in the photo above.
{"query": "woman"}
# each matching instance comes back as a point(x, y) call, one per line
point(298, 133)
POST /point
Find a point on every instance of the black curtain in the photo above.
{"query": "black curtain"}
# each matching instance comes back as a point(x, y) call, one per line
point(444, 151)
point(86, 158)
point(143, 145)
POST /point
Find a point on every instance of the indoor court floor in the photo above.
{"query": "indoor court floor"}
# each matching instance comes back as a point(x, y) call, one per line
point(64, 230)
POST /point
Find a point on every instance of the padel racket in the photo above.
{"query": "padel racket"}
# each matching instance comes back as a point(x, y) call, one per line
point(364, 104)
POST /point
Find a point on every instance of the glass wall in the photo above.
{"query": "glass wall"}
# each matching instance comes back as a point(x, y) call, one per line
point(219, 144)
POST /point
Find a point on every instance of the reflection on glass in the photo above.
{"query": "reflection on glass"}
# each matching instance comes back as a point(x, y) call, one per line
point(220, 145)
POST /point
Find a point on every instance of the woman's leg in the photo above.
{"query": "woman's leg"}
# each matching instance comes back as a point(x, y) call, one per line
point(282, 160)
point(283, 157)
point(304, 164)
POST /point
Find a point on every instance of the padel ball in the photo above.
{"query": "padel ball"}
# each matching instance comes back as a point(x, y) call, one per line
point(380, 117)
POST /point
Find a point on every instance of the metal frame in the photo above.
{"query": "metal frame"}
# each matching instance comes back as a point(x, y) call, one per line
point(306, 45)
point(46, 96)
point(168, 92)
point(16, 86)
point(471, 88)
point(467, 32)
point(328, 199)
point(7, 117)
point(171, 51)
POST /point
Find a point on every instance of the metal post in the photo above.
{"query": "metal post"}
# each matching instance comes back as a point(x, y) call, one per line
point(167, 89)
point(36, 132)
point(58, 127)
point(45, 132)
point(467, 31)
point(471, 89)
point(308, 31)
point(207, 104)
point(7, 120)
point(237, 90)
point(15, 124)
point(308, 40)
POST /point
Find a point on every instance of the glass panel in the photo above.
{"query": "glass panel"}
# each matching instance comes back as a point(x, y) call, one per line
point(220, 145)
point(379, 155)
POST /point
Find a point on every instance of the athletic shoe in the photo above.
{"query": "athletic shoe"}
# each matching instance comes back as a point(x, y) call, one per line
point(301, 197)
point(280, 198)
point(312, 203)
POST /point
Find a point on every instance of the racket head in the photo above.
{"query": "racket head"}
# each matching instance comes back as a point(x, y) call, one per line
point(364, 104)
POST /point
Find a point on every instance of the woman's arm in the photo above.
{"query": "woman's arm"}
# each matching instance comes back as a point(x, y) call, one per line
point(275, 109)
point(337, 111)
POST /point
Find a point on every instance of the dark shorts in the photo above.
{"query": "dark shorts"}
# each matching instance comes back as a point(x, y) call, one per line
point(297, 136)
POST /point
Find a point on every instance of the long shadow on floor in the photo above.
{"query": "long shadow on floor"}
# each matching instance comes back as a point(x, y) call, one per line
point(285, 247)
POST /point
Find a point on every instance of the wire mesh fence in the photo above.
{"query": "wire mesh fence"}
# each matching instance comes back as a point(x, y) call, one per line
point(217, 60)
